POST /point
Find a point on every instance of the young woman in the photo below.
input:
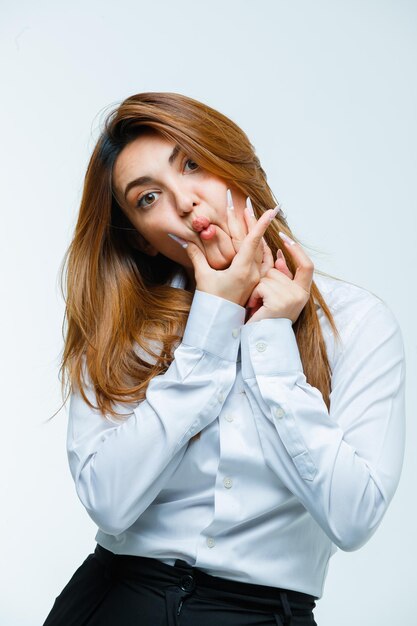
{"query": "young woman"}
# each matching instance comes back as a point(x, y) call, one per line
point(235, 415)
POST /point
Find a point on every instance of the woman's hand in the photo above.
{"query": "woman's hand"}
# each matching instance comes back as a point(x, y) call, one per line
point(239, 230)
point(236, 283)
point(267, 264)
point(281, 294)
point(237, 233)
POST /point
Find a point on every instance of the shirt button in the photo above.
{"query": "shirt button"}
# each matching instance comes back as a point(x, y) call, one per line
point(227, 482)
point(261, 346)
point(210, 542)
point(220, 397)
point(279, 412)
point(235, 332)
point(187, 583)
point(229, 417)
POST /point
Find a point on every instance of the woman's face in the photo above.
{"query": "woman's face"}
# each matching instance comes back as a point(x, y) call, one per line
point(174, 193)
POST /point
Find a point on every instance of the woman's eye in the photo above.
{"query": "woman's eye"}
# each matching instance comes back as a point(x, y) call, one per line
point(139, 202)
point(146, 196)
point(193, 162)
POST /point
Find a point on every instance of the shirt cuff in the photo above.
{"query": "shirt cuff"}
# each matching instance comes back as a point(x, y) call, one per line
point(214, 325)
point(269, 347)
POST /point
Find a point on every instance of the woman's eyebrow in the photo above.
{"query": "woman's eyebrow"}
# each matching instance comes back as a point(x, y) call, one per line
point(145, 180)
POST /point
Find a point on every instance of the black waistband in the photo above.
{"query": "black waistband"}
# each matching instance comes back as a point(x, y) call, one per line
point(140, 566)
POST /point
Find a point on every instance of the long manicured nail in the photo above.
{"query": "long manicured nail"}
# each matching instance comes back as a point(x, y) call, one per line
point(182, 242)
point(250, 207)
point(275, 212)
point(229, 200)
point(286, 238)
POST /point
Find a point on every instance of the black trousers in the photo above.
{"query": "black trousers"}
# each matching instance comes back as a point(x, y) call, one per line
point(118, 590)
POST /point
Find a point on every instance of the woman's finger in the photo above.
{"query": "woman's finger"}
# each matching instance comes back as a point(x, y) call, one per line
point(281, 265)
point(251, 223)
point(268, 258)
point(304, 265)
point(255, 299)
point(234, 224)
point(251, 247)
point(219, 250)
point(196, 256)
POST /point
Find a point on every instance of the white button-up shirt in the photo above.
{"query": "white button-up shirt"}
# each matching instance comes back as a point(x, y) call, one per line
point(276, 482)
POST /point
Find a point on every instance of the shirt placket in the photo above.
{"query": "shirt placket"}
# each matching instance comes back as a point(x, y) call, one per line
point(228, 487)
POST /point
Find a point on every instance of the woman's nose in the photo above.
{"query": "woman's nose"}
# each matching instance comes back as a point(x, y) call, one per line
point(186, 205)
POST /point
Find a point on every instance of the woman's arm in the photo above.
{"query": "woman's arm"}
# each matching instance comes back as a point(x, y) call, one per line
point(343, 465)
point(119, 469)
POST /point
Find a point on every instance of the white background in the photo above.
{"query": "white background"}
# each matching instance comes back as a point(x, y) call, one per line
point(327, 93)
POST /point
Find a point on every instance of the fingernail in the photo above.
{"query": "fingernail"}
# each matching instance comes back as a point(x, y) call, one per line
point(286, 238)
point(229, 200)
point(276, 210)
point(250, 207)
point(279, 254)
point(182, 242)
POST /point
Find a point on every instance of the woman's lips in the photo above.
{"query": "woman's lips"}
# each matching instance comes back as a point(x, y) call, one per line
point(202, 225)
point(208, 233)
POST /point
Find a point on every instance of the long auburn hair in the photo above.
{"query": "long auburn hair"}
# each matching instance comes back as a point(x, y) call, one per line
point(119, 302)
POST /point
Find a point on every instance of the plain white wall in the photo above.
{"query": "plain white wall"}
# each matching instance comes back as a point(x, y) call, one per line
point(326, 91)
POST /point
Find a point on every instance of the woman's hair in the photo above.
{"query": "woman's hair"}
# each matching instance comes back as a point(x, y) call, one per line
point(119, 302)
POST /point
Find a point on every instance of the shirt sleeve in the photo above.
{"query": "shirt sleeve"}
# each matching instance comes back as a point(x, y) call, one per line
point(344, 465)
point(118, 470)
